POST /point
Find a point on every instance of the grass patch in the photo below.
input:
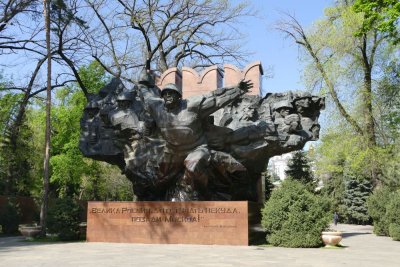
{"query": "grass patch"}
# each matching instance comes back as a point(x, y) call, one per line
point(334, 247)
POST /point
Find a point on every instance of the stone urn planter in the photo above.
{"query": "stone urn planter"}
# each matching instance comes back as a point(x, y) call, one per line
point(30, 231)
point(331, 238)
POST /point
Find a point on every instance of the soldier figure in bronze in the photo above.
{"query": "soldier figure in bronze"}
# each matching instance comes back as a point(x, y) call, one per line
point(172, 149)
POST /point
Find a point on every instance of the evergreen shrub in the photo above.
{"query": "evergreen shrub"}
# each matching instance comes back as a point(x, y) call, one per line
point(393, 216)
point(377, 203)
point(63, 219)
point(394, 231)
point(357, 191)
point(299, 169)
point(10, 216)
point(295, 217)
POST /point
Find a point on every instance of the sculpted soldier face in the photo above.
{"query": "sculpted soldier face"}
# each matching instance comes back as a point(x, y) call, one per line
point(92, 112)
point(171, 98)
point(315, 131)
point(284, 111)
point(124, 104)
point(249, 114)
point(302, 104)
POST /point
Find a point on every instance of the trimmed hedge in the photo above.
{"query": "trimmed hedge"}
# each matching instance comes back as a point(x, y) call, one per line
point(394, 231)
point(295, 217)
point(377, 203)
point(393, 216)
point(63, 219)
point(384, 209)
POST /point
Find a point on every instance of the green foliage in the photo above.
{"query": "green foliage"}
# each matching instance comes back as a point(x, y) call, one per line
point(63, 219)
point(391, 171)
point(8, 108)
point(15, 155)
point(72, 174)
point(394, 231)
point(346, 73)
point(93, 76)
point(388, 100)
point(384, 208)
point(357, 191)
point(299, 169)
point(295, 217)
point(68, 164)
point(341, 152)
point(10, 216)
point(334, 190)
point(105, 182)
point(392, 214)
point(36, 122)
point(269, 186)
point(377, 203)
point(382, 15)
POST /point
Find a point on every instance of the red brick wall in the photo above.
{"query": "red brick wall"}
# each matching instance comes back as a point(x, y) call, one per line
point(194, 83)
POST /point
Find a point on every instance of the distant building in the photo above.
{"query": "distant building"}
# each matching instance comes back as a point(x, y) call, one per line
point(277, 165)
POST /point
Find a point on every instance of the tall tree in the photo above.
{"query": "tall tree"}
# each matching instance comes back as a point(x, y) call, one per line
point(22, 46)
point(347, 67)
point(68, 164)
point(299, 169)
point(46, 174)
point(173, 33)
point(73, 175)
point(343, 61)
point(168, 33)
point(356, 195)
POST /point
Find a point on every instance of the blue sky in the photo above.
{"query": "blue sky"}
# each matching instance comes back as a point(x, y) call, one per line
point(271, 47)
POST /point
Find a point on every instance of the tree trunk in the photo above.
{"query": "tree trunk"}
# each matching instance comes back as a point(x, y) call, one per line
point(43, 210)
point(367, 108)
point(366, 96)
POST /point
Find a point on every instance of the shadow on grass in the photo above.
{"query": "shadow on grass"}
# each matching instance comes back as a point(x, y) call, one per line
point(265, 246)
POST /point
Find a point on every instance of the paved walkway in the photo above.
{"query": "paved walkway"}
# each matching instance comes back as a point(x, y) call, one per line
point(362, 248)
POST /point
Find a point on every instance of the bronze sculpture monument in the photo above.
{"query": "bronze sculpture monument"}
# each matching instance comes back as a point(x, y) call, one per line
point(173, 149)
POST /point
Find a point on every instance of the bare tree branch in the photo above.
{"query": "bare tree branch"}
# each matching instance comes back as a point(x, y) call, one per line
point(292, 28)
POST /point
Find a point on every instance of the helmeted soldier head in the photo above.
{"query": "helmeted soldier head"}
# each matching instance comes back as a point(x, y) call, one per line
point(146, 78)
point(124, 100)
point(171, 94)
point(300, 95)
point(302, 102)
point(92, 108)
point(283, 107)
point(250, 112)
point(115, 85)
point(171, 87)
point(315, 131)
point(104, 115)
